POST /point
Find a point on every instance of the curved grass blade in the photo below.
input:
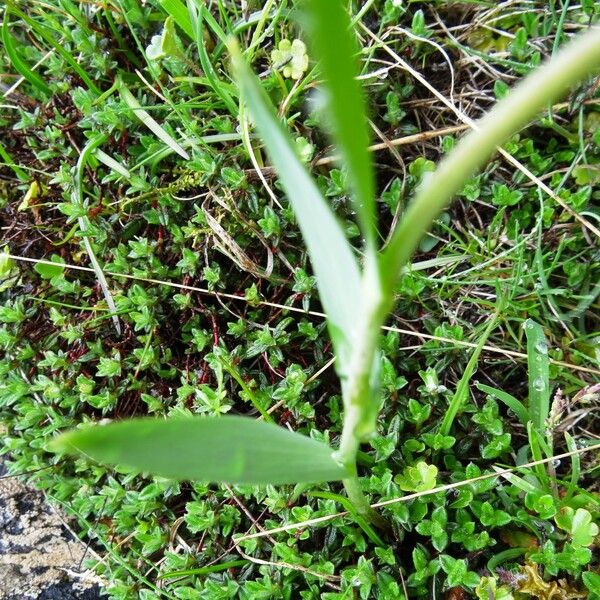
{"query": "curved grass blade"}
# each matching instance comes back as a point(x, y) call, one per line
point(334, 43)
point(196, 18)
point(231, 564)
point(462, 389)
point(228, 449)
point(515, 405)
point(334, 264)
point(572, 64)
point(177, 10)
point(17, 62)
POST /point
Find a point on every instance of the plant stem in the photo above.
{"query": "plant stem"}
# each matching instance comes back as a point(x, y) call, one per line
point(359, 388)
point(378, 282)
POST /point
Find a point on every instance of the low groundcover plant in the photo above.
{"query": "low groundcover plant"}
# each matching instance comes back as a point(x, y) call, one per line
point(357, 296)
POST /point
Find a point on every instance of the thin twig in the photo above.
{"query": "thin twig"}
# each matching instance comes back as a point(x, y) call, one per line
point(442, 488)
point(313, 313)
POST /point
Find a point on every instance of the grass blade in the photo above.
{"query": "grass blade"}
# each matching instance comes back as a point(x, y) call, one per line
point(150, 123)
point(17, 62)
point(231, 564)
point(515, 405)
point(518, 482)
point(84, 224)
point(539, 379)
point(335, 45)
point(111, 163)
point(462, 389)
point(333, 261)
point(575, 465)
point(181, 16)
point(228, 449)
point(197, 20)
point(44, 33)
point(534, 439)
point(546, 84)
point(177, 10)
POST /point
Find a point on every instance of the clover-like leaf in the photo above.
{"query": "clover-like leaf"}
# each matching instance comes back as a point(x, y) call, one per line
point(290, 58)
point(491, 517)
point(435, 528)
point(541, 503)
point(457, 572)
point(419, 478)
point(578, 523)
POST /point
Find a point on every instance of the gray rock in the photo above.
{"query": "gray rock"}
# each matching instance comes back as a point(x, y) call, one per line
point(39, 558)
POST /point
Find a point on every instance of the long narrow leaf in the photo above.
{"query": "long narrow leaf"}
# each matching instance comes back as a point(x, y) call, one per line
point(150, 122)
point(84, 224)
point(572, 64)
point(515, 405)
point(462, 389)
point(226, 449)
point(334, 264)
point(178, 10)
point(197, 20)
point(539, 381)
point(17, 62)
point(335, 45)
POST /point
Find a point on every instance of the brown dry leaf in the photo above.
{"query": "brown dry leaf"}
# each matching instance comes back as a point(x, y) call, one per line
point(516, 538)
point(455, 593)
point(535, 586)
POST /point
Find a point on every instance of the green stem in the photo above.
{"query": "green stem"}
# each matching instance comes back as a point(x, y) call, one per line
point(470, 154)
point(359, 393)
point(545, 85)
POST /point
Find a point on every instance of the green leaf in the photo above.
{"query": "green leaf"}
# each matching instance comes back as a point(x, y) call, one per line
point(462, 389)
point(17, 62)
point(488, 588)
point(230, 449)
point(496, 446)
point(592, 583)
point(291, 58)
point(45, 32)
point(579, 524)
point(455, 569)
point(539, 381)
point(150, 122)
point(515, 405)
point(178, 12)
point(6, 262)
point(197, 14)
point(419, 478)
point(164, 44)
point(333, 261)
point(47, 271)
point(491, 517)
point(335, 45)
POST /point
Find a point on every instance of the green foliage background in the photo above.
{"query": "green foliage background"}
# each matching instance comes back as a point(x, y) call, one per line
point(252, 338)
